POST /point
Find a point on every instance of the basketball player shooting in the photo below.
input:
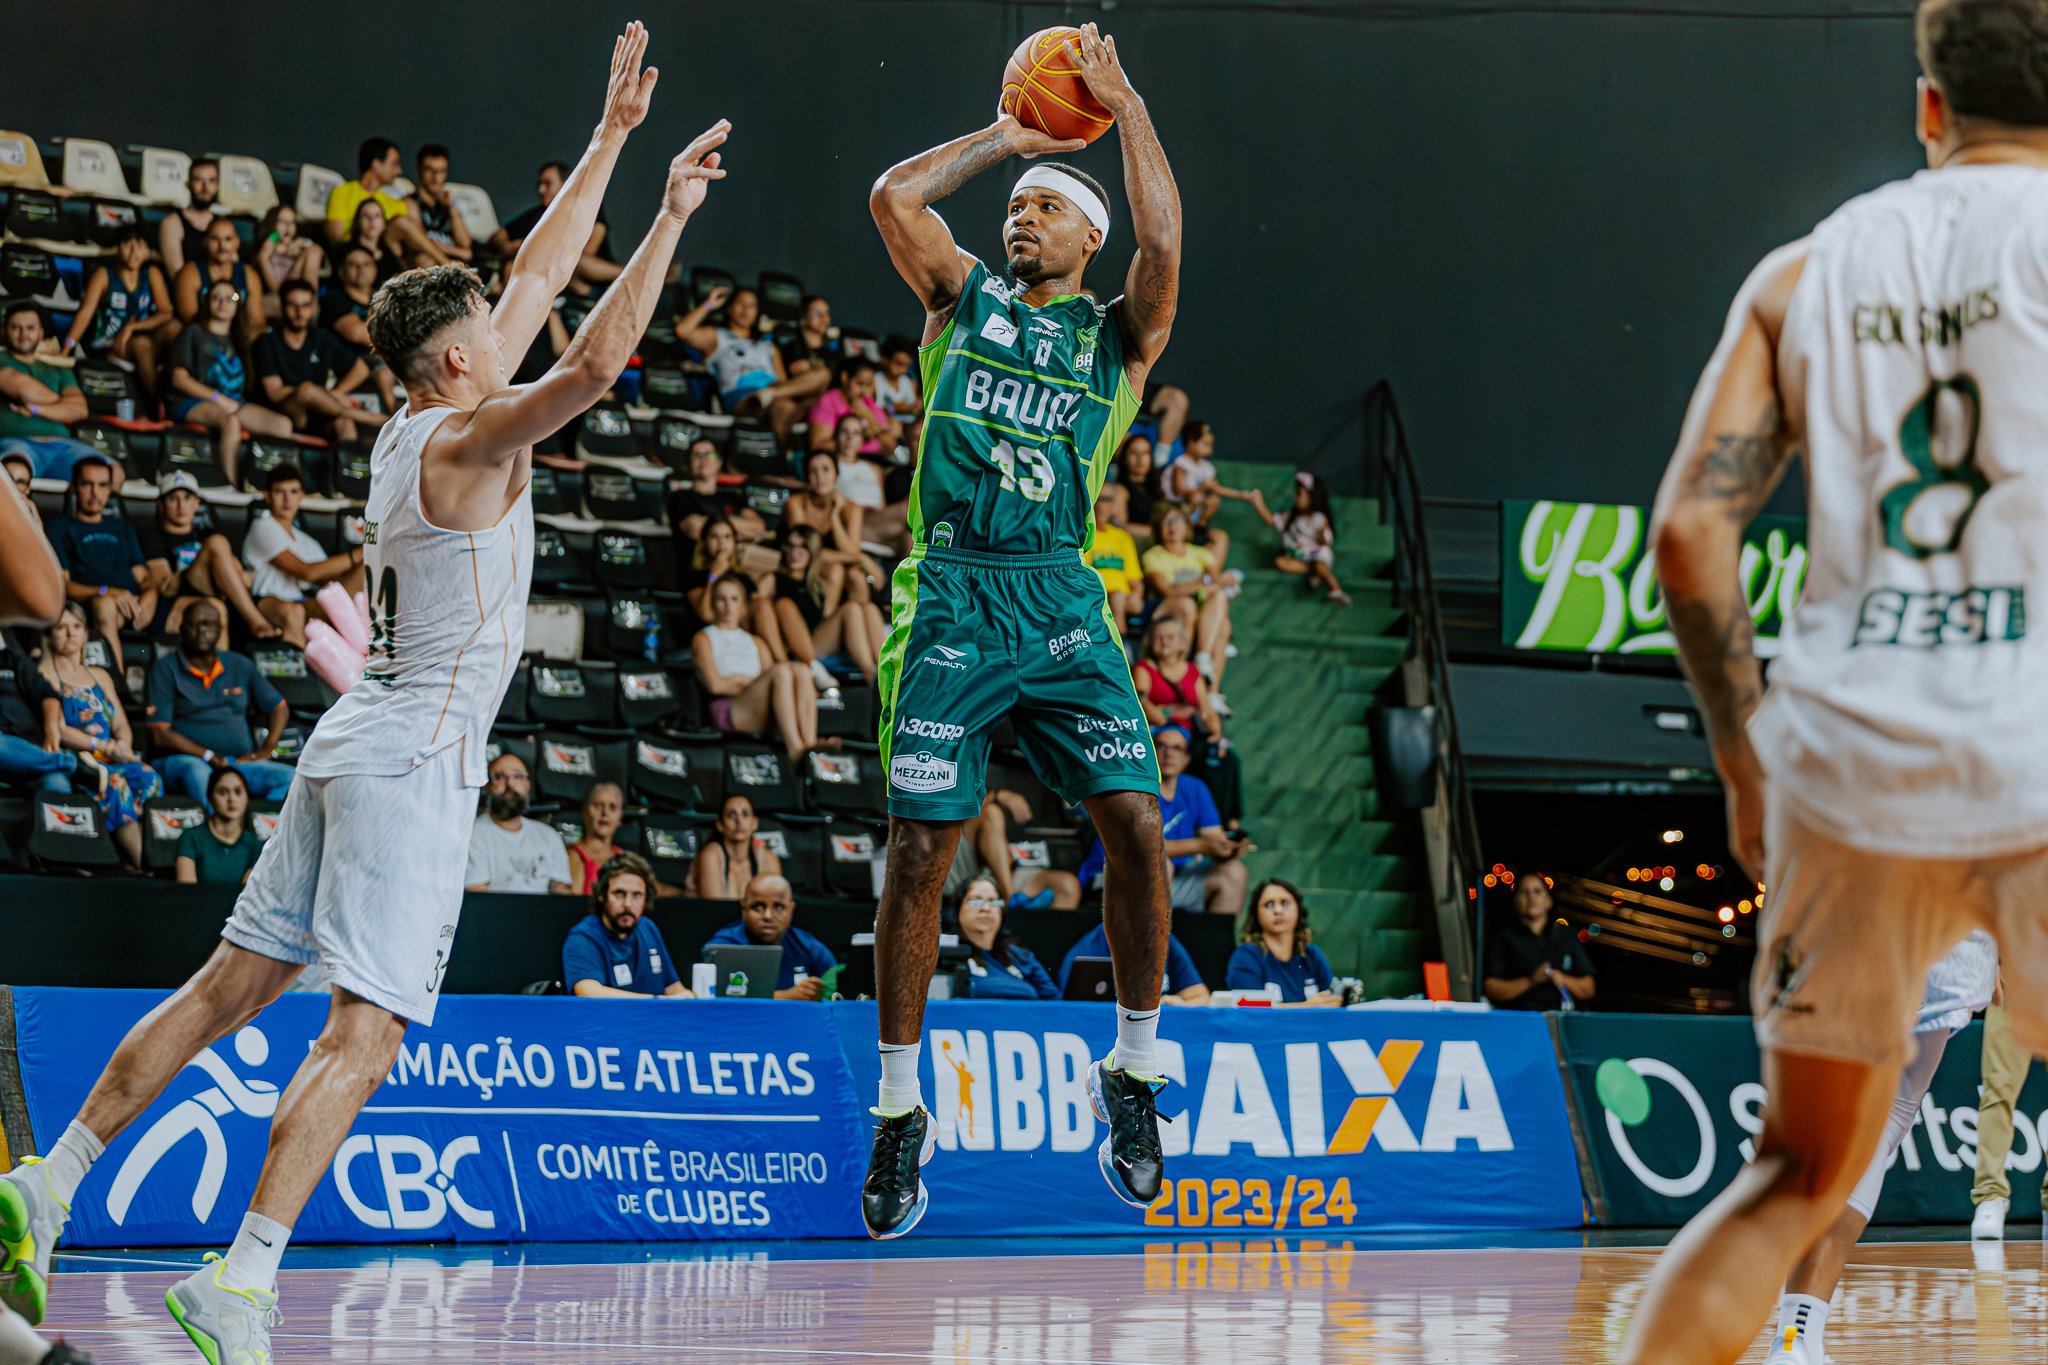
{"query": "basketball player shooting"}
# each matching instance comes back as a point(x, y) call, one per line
point(365, 870)
point(1029, 385)
point(1893, 783)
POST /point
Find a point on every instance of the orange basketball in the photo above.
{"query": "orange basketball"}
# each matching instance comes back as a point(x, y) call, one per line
point(1043, 89)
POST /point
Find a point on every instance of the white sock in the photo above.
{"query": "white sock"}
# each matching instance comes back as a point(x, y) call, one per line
point(1137, 1039)
point(19, 1344)
point(253, 1259)
point(901, 1089)
point(69, 1160)
point(1803, 1315)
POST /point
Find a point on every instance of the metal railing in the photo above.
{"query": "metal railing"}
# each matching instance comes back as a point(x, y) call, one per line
point(1390, 468)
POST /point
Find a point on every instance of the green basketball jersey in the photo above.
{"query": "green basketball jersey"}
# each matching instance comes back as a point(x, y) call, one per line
point(1024, 408)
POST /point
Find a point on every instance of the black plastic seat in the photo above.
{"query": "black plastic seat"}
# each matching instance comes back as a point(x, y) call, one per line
point(561, 695)
point(668, 842)
point(646, 696)
point(70, 833)
point(191, 450)
point(570, 763)
point(756, 453)
point(664, 774)
point(801, 847)
point(848, 713)
point(764, 775)
point(286, 668)
point(848, 781)
point(557, 492)
point(164, 820)
point(851, 847)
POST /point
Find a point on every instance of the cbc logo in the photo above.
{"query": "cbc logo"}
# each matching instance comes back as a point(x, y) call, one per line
point(418, 1185)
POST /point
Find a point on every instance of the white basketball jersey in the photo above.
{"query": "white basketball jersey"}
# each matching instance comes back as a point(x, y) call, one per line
point(447, 623)
point(1908, 706)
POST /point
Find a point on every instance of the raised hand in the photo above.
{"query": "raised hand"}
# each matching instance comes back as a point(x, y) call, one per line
point(691, 173)
point(1029, 142)
point(1104, 76)
point(629, 89)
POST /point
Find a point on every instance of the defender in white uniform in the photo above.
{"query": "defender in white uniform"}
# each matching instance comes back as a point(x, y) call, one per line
point(365, 870)
point(1892, 790)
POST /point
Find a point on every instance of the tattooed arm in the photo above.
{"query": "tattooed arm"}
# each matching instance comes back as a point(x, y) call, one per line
point(1735, 447)
point(1152, 288)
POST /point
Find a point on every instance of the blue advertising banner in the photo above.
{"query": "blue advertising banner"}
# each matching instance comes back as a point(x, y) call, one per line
point(523, 1119)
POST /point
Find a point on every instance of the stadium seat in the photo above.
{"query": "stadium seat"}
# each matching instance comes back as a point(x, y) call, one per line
point(514, 710)
point(30, 272)
point(163, 175)
point(69, 832)
point(851, 848)
point(315, 184)
point(673, 437)
point(756, 453)
point(479, 214)
point(663, 774)
point(569, 763)
point(623, 561)
point(261, 454)
point(246, 189)
point(291, 741)
point(705, 752)
point(801, 847)
point(619, 495)
point(846, 782)
point(765, 775)
point(782, 296)
point(704, 279)
point(351, 473)
point(106, 387)
point(607, 433)
point(557, 492)
point(41, 219)
point(231, 519)
point(633, 626)
point(525, 746)
point(646, 696)
point(110, 440)
point(286, 668)
point(861, 342)
point(106, 219)
point(263, 817)
point(95, 168)
point(666, 386)
point(164, 819)
point(669, 843)
point(21, 162)
point(191, 449)
point(848, 713)
point(561, 695)
point(554, 562)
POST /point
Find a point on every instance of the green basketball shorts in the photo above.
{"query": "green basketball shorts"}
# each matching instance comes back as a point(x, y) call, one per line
point(978, 637)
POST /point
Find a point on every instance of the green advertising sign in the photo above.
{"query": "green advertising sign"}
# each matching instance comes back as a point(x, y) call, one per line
point(1579, 576)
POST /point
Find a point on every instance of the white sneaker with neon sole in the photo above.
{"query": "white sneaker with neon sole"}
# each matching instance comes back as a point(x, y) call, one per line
point(1988, 1224)
point(229, 1326)
point(31, 1220)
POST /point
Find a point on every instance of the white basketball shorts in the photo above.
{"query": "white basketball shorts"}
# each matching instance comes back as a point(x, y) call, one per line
point(364, 874)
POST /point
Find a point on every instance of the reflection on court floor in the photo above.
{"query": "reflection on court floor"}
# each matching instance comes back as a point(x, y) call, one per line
point(1074, 1303)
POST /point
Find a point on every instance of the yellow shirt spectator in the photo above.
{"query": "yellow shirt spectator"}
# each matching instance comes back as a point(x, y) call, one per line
point(1115, 557)
point(344, 199)
point(1191, 565)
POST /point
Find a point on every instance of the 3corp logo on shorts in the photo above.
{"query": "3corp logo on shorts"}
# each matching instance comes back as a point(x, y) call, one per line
point(929, 729)
point(922, 772)
point(944, 656)
point(1114, 749)
point(1066, 646)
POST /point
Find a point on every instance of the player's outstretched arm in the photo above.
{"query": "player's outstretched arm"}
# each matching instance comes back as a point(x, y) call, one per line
point(517, 417)
point(1735, 447)
point(547, 258)
point(1152, 286)
point(31, 583)
point(919, 242)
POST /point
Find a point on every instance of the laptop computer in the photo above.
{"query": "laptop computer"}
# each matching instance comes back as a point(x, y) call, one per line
point(1092, 979)
point(746, 971)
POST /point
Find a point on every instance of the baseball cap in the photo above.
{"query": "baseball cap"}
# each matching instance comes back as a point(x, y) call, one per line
point(175, 480)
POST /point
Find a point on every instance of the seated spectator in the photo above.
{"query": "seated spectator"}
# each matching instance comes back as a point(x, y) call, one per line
point(210, 384)
point(21, 472)
point(1533, 962)
point(192, 286)
point(1208, 861)
point(1181, 985)
point(749, 691)
point(181, 236)
point(853, 395)
point(767, 909)
point(345, 311)
point(186, 561)
point(714, 558)
point(311, 375)
point(1308, 535)
point(104, 570)
point(882, 522)
point(1277, 951)
point(1174, 692)
point(604, 806)
point(126, 312)
point(507, 851)
point(998, 967)
point(984, 851)
point(220, 850)
point(810, 618)
point(202, 700)
point(366, 233)
point(698, 499)
point(38, 400)
point(1114, 556)
point(724, 866)
point(28, 752)
point(812, 350)
point(821, 505)
point(615, 952)
point(1139, 478)
point(1191, 482)
point(80, 711)
point(595, 266)
point(288, 564)
point(742, 359)
point(896, 383)
point(377, 165)
point(434, 206)
point(1182, 576)
point(281, 254)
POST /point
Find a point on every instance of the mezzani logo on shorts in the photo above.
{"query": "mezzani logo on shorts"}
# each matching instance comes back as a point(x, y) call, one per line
point(945, 656)
point(929, 729)
point(922, 772)
point(1065, 646)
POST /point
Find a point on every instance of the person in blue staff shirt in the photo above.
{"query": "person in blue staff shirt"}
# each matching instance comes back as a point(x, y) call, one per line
point(998, 967)
point(1276, 950)
point(1183, 984)
point(616, 952)
point(767, 912)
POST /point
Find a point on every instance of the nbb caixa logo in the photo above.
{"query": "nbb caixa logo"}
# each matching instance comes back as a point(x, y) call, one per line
point(1010, 1090)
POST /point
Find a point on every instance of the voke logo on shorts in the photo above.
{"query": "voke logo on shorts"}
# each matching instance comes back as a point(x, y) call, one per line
point(944, 656)
point(922, 772)
point(1114, 749)
point(929, 729)
point(1066, 646)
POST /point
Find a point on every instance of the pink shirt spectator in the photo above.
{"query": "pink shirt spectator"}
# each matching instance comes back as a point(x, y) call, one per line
point(832, 405)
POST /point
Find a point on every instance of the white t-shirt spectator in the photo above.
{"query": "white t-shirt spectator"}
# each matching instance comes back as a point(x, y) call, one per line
point(521, 860)
point(862, 484)
point(899, 396)
point(1187, 474)
point(265, 542)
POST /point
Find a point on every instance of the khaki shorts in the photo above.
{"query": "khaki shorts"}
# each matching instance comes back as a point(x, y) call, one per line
point(1848, 936)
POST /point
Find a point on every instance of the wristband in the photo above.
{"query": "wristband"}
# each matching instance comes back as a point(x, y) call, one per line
point(103, 590)
point(208, 755)
point(35, 409)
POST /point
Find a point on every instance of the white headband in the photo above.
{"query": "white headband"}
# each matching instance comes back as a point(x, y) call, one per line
point(1079, 195)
